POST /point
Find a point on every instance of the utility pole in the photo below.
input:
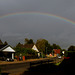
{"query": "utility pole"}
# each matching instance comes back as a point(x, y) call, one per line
point(46, 50)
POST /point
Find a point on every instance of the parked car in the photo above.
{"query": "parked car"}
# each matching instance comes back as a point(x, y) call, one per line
point(9, 59)
point(3, 58)
point(59, 57)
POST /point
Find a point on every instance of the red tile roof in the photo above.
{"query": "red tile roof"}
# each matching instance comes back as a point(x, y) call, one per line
point(56, 51)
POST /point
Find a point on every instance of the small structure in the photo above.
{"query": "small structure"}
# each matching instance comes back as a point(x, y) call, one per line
point(6, 52)
point(33, 47)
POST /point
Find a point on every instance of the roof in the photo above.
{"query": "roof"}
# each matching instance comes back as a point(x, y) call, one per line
point(56, 51)
point(35, 48)
point(28, 45)
point(1, 46)
point(7, 48)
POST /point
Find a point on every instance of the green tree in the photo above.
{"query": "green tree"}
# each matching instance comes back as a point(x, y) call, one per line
point(43, 46)
point(5, 43)
point(26, 40)
point(49, 49)
point(29, 41)
point(19, 45)
point(24, 51)
point(56, 46)
point(71, 48)
point(1, 43)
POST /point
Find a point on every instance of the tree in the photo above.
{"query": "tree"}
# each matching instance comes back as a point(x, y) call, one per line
point(28, 41)
point(20, 49)
point(49, 48)
point(56, 46)
point(71, 48)
point(5, 43)
point(19, 45)
point(25, 51)
point(1, 43)
point(43, 46)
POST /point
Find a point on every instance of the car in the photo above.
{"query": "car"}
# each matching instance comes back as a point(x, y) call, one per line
point(59, 57)
point(9, 59)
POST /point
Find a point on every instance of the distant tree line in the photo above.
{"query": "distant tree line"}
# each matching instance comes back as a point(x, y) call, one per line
point(71, 48)
point(1, 43)
point(42, 44)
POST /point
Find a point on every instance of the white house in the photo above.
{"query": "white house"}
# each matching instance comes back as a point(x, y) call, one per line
point(35, 48)
point(7, 52)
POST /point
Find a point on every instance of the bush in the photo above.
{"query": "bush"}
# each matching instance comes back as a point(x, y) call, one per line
point(66, 54)
point(25, 52)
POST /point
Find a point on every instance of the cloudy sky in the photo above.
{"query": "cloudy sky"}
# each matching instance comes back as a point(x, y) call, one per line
point(17, 27)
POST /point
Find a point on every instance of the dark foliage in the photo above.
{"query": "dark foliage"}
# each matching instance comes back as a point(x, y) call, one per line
point(71, 48)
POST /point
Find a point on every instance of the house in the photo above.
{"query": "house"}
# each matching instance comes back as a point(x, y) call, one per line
point(56, 52)
point(33, 47)
point(6, 51)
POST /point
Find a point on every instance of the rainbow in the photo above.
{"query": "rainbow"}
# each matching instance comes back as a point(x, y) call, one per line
point(38, 13)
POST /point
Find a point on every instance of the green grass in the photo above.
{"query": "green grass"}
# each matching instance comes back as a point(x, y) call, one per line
point(57, 64)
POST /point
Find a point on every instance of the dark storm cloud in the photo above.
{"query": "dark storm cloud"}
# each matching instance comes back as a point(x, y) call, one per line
point(38, 26)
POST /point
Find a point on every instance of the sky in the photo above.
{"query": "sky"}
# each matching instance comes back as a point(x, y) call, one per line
point(52, 20)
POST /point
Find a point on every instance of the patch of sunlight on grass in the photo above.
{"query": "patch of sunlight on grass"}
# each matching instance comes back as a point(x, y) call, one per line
point(57, 64)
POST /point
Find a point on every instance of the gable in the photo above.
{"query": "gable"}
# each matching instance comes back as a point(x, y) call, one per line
point(8, 49)
point(35, 48)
